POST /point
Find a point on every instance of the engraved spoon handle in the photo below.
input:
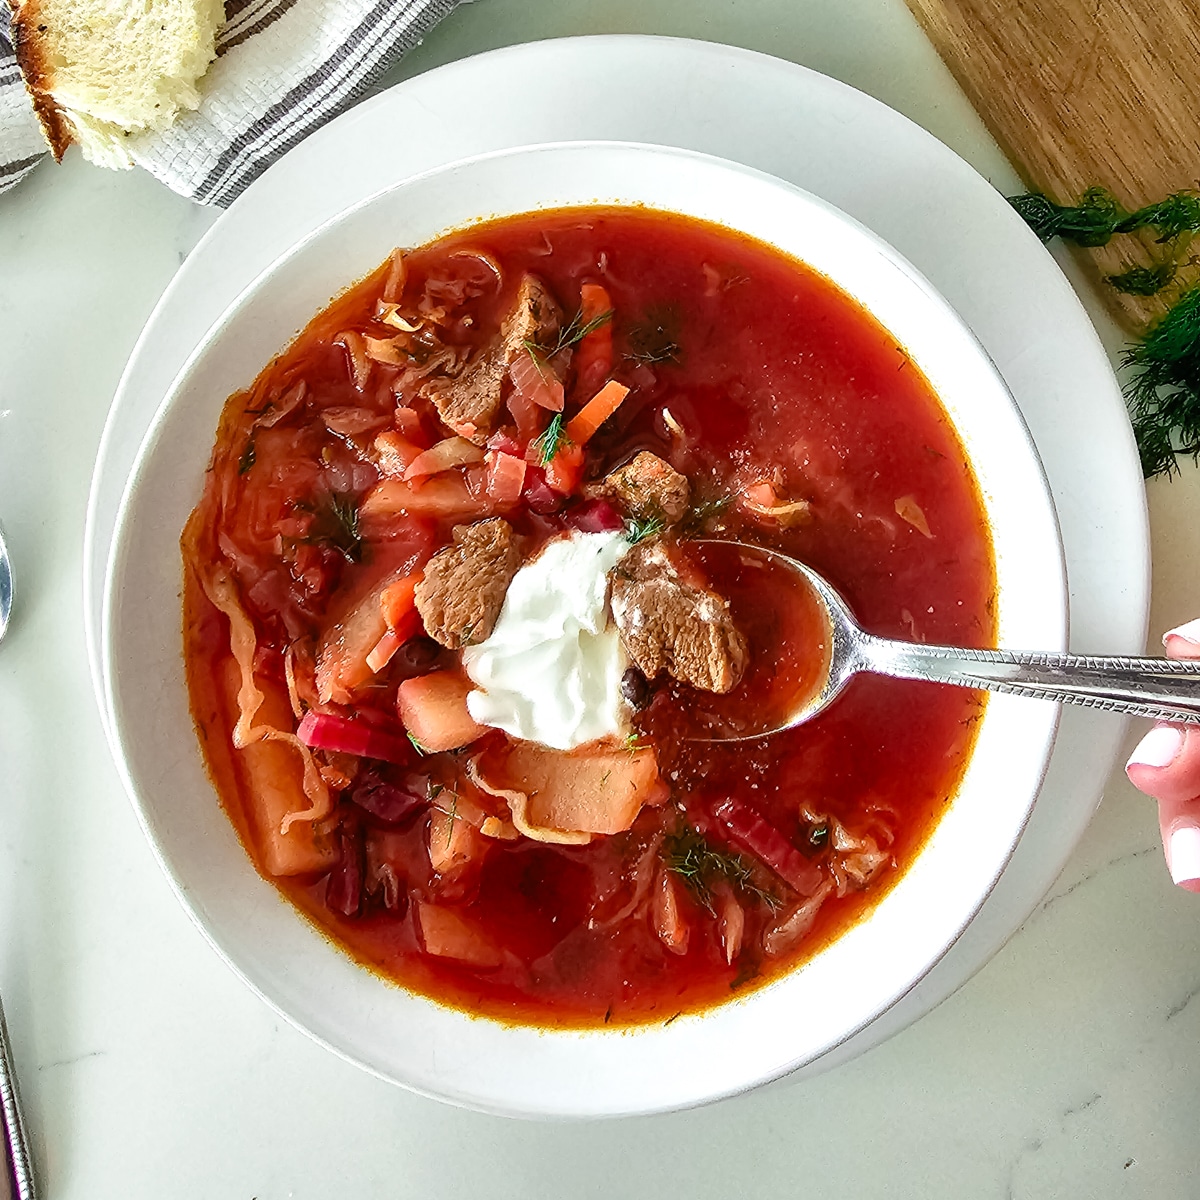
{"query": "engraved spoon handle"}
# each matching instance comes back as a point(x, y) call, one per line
point(1162, 688)
point(17, 1180)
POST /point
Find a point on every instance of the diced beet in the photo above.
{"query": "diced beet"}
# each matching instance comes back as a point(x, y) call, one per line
point(758, 836)
point(544, 527)
point(594, 516)
point(390, 802)
point(538, 494)
point(356, 735)
point(343, 888)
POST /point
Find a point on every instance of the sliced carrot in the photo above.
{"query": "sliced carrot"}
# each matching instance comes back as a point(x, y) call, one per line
point(398, 599)
point(565, 469)
point(596, 411)
point(594, 355)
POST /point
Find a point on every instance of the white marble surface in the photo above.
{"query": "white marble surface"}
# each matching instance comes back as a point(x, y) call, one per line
point(1070, 1066)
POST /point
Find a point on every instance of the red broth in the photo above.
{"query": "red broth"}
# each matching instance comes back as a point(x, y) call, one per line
point(801, 426)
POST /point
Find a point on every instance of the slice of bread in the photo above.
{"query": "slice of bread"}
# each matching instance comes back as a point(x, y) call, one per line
point(100, 70)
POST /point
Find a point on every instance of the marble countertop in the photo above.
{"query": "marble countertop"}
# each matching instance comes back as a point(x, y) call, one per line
point(1070, 1065)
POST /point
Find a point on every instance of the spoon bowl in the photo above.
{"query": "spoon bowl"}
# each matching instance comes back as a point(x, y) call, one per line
point(1162, 688)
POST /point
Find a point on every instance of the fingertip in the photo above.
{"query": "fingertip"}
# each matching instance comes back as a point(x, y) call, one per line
point(1183, 641)
point(1158, 749)
point(1182, 846)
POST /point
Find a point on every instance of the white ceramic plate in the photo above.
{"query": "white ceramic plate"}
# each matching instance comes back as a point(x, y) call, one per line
point(599, 1072)
point(838, 143)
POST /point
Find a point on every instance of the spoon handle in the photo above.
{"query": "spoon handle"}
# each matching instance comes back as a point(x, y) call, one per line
point(1163, 688)
point(17, 1180)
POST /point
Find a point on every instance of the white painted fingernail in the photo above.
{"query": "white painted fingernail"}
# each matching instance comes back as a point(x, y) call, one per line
point(1183, 853)
point(1159, 748)
point(1189, 632)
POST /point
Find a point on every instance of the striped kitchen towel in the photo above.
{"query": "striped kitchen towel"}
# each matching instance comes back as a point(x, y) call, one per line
point(283, 68)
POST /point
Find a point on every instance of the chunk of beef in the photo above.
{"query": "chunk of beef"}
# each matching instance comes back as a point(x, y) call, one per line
point(672, 622)
point(534, 317)
point(471, 403)
point(462, 591)
point(647, 488)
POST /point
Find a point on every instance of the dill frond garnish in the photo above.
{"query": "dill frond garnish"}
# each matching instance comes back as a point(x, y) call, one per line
point(575, 330)
point(818, 835)
point(699, 515)
point(700, 865)
point(1098, 217)
point(548, 444)
point(335, 524)
point(1162, 387)
point(421, 750)
point(641, 529)
point(248, 457)
point(655, 338)
point(1144, 281)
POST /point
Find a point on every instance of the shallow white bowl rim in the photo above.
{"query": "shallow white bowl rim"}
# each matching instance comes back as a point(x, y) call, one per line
point(572, 1073)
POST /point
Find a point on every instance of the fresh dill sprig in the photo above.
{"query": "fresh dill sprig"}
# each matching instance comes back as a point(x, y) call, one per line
point(655, 338)
point(422, 751)
point(248, 457)
point(700, 865)
point(575, 330)
point(1099, 216)
point(1144, 281)
point(700, 513)
point(632, 742)
point(548, 444)
point(641, 529)
point(453, 815)
point(335, 524)
point(1163, 388)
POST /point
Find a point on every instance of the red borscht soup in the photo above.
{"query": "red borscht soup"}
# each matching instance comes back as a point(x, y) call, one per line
point(453, 615)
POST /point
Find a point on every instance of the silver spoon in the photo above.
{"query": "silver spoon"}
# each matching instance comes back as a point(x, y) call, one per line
point(6, 585)
point(17, 1181)
point(1162, 688)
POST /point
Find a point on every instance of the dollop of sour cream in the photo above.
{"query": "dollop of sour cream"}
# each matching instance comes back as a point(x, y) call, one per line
point(551, 670)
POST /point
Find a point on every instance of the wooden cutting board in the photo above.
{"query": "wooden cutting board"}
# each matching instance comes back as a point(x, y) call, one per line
point(1082, 92)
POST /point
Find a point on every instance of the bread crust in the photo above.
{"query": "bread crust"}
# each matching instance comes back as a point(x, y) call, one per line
point(28, 40)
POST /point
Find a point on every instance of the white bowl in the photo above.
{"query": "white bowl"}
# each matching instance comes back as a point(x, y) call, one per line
point(474, 1061)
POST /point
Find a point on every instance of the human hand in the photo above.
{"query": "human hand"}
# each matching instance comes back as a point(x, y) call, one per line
point(1166, 765)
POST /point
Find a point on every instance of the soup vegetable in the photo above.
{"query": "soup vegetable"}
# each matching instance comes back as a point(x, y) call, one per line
point(457, 615)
